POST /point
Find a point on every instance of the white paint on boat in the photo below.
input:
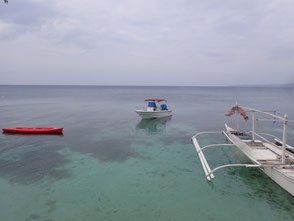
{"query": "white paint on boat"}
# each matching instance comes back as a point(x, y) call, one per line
point(270, 162)
point(276, 161)
point(157, 109)
point(153, 114)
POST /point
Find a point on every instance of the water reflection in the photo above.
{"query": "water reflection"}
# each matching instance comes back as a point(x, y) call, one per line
point(152, 126)
point(34, 135)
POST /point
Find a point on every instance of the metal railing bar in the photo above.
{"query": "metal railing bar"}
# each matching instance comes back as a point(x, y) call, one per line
point(234, 165)
point(215, 145)
point(207, 132)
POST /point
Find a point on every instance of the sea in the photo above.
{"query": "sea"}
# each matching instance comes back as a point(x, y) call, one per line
point(111, 165)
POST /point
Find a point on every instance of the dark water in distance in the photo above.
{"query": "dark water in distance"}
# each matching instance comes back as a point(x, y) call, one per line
point(111, 165)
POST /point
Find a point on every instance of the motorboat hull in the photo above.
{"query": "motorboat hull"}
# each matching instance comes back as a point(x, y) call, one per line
point(153, 114)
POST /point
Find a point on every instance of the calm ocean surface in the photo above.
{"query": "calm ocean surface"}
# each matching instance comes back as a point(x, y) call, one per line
point(111, 165)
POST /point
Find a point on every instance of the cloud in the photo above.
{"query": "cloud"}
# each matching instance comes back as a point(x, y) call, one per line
point(108, 41)
point(26, 15)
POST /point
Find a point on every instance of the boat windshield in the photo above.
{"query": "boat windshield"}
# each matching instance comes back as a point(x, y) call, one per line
point(152, 104)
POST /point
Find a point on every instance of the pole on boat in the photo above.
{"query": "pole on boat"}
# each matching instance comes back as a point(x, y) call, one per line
point(237, 120)
point(284, 137)
point(253, 126)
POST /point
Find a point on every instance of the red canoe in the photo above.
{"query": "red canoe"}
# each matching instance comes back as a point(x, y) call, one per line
point(32, 130)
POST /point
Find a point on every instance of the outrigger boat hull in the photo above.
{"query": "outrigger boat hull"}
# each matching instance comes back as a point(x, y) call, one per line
point(281, 174)
point(275, 159)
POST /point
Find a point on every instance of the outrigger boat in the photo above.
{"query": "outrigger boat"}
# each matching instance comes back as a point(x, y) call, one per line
point(155, 108)
point(275, 159)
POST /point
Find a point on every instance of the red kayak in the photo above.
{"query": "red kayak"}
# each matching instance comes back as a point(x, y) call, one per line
point(33, 130)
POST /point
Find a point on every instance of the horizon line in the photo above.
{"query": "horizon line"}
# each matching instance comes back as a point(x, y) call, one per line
point(131, 85)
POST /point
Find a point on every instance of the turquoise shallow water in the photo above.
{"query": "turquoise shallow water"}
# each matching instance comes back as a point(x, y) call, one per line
point(111, 165)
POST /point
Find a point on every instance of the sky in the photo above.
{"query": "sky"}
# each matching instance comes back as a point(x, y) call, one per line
point(147, 42)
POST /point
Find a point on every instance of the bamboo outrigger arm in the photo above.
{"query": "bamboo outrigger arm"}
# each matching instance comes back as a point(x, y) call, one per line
point(206, 168)
point(235, 165)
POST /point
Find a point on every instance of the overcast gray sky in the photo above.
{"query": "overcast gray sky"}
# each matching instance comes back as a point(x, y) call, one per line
point(147, 42)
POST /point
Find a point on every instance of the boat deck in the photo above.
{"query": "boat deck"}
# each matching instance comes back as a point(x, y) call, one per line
point(266, 153)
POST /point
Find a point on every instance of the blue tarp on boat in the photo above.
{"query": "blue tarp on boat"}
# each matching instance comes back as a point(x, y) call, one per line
point(151, 104)
point(163, 107)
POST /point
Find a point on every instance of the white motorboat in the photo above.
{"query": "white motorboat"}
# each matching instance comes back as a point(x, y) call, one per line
point(155, 108)
point(275, 159)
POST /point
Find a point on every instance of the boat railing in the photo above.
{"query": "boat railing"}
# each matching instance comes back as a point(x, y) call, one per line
point(266, 134)
point(276, 140)
point(263, 138)
point(284, 119)
point(209, 173)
